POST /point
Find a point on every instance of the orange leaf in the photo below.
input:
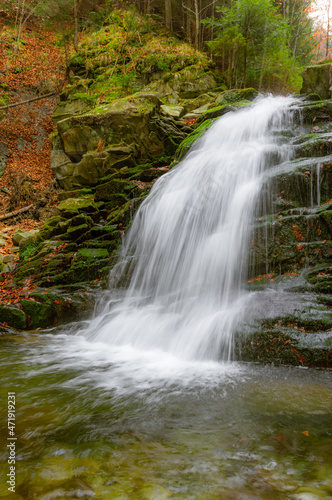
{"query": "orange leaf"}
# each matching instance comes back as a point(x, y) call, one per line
point(306, 433)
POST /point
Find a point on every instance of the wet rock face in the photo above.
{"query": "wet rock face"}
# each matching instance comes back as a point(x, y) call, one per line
point(317, 78)
point(295, 226)
point(132, 130)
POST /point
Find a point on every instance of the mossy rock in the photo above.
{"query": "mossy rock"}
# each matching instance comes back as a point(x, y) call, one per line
point(83, 271)
point(13, 317)
point(51, 227)
point(236, 95)
point(189, 83)
point(73, 206)
point(313, 97)
point(314, 113)
point(67, 109)
point(90, 255)
point(293, 241)
point(187, 143)
point(75, 232)
point(29, 250)
point(314, 146)
point(74, 193)
point(40, 315)
point(80, 219)
point(105, 192)
point(316, 79)
point(97, 233)
point(279, 349)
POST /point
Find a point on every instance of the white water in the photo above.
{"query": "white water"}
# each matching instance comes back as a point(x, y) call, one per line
point(187, 250)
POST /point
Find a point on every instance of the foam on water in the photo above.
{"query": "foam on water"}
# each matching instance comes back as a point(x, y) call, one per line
point(185, 255)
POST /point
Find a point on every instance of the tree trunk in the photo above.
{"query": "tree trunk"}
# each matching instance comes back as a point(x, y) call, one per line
point(197, 24)
point(188, 26)
point(328, 30)
point(168, 14)
point(19, 29)
point(76, 25)
point(245, 67)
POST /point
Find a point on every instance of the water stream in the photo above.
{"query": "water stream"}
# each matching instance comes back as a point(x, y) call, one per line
point(142, 402)
point(186, 253)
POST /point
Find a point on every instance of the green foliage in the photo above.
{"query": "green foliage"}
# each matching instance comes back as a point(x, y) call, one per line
point(251, 40)
point(28, 251)
point(124, 55)
point(4, 98)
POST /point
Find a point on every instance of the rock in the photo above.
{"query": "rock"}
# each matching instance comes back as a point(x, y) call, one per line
point(196, 112)
point(13, 317)
point(191, 139)
point(29, 237)
point(23, 238)
point(200, 101)
point(155, 492)
point(17, 236)
point(317, 79)
point(61, 165)
point(94, 166)
point(81, 155)
point(236, 95)
point(2, 242)
point(69, 108)
point(73, 206)
point(186, 84)
point(40, 315)
point(8, 258)
point(105, 192)
point(173, 111)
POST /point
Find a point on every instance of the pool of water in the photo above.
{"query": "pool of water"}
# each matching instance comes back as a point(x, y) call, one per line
point(94, 421)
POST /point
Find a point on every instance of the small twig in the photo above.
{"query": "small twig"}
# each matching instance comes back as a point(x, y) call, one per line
point(16, 212)
point(29, 100)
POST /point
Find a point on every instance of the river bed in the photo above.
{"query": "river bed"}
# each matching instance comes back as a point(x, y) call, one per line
point(94, 421)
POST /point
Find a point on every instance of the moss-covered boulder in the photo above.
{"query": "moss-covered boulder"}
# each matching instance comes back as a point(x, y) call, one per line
point(110, 138)
point(39, 314)
point(192, 138)
point(13, 317)
point(317, 79)
point(236, 95)
point(73, 206)
point(186, 84)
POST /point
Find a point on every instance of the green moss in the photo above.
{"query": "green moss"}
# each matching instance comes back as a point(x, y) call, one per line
point(74, 232)
point(90, 255)
point(40, 315)
point(192, 138)
point(115, 187)
point(27, 251)
point(235, 96)
point(120, 60)
point(13, 317)
point(73, 206)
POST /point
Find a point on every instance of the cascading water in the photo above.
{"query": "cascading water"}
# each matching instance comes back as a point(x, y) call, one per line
point(187, 249)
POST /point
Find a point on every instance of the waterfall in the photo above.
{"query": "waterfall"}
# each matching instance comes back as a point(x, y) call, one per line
point(186, 253)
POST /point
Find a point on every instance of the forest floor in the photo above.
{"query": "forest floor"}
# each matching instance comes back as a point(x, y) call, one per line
point(26, 178)
point(25, 148)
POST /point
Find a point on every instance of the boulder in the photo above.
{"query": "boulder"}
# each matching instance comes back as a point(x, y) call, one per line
point(186, 84)
point(13, 317)
point(73, 206)
point(173, 111)
point(317, 78)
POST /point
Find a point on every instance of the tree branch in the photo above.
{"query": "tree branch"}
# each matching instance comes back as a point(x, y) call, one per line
point(15, 212)
point(26, 102)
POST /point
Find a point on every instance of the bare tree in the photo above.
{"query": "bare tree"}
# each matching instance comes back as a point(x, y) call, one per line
point(168, 14)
